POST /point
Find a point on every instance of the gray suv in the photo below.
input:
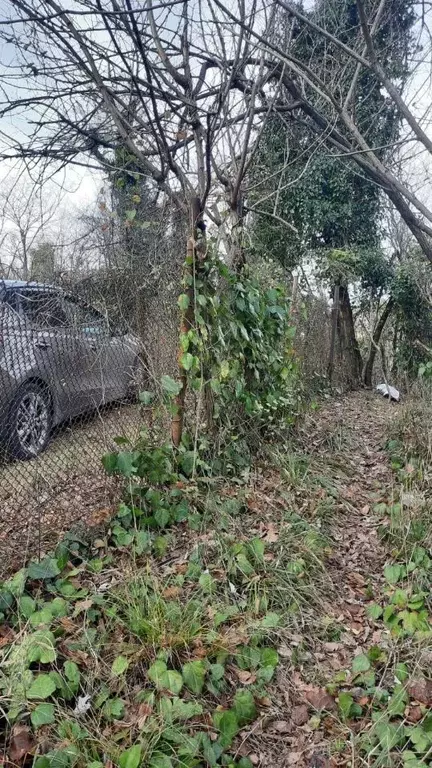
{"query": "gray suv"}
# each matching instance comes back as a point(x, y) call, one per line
point(59, 357)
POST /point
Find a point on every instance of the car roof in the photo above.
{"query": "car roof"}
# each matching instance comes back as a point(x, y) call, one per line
point(31, 284)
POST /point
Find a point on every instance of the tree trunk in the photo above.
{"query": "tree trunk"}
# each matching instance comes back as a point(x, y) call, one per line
point(349, 348)
point(368, 368)
point(237, 254)
point(335, 314)
point(194, 254)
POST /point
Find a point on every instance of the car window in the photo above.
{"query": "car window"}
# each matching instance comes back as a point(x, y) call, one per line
point(8, 311)
point(43, 309)
point(84, 318)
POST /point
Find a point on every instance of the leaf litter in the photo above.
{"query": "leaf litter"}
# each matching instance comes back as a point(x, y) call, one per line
point(299, 712)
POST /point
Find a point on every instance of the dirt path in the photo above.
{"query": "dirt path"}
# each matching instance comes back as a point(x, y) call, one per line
point(344, 442)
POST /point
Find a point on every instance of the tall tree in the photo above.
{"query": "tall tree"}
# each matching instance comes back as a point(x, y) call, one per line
point(331, 206)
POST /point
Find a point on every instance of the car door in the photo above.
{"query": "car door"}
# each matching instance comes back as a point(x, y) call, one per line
point(54, 352)
point(91, 332)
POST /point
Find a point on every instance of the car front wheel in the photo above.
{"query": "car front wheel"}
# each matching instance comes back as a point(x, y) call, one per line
point(29, 423)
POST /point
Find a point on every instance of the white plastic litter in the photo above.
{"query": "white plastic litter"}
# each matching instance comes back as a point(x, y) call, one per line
point(83, 705)
point(387, 391)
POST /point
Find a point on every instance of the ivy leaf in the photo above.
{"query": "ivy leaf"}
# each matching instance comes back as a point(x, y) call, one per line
point(131, 214)
point(393, 573)
point(224, 369)
point(46, 569)
point(131, 757)
point(109, 461)
point(389, 734)
point(162, 517)
point(41, 617)
point(397, 701)
point(146, 397)
point(193, 673)
point(156, 671)
point(43, 714)
point(360, 663)
point(119, 665)
point(142, 542)
point(125, 463)
point(122, 537)
point(165, 679)
point(42, 687)
point(161, 761)
point(345, 702)
point(269, 657)
point(206, 583)
point(183, 301)
point(170, 386)
point(72, 672)
point(27, 606)
point(374, 611)
point(420, 739)
point(187, 361)
point(257, 547)
point(270, 620)
point(217, 672)
point(172, 681)
point(228, 727)
point(184, 710)
point(40, 647)
point(401, 672)
point(16, 584)
point(244, 706)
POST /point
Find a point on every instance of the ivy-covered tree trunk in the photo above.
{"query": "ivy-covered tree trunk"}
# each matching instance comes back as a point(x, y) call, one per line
point(237, 255)
point(348, 345)
point(195, 253)
point(369, 364)
point(334, 327)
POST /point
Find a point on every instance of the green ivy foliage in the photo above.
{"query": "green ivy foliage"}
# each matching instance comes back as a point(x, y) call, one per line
point(241, 349)
point(414, 314)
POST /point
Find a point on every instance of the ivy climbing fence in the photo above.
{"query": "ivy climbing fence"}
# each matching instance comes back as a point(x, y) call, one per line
point(74, 356)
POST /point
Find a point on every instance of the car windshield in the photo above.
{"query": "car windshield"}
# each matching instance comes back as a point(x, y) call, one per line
point(85, 318)
point(43, 309)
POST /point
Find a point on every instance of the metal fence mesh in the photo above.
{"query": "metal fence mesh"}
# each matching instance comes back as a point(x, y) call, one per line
point(73, 358)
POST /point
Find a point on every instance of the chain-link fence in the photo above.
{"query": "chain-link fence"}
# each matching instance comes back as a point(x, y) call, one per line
point(73, 358)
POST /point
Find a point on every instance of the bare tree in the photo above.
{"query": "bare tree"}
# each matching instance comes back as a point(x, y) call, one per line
point(325, 101)
point(169, 84)
point(27, 219)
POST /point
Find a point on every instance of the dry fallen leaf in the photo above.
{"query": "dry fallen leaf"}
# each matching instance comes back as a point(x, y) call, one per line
point(264, 701)
point(171, 592)
point(82, 605)
point(7, 635)
point(318, 760)
point(357, 578)
point(319, 699)
point(293, 758)
point(282, 726)
point(245, 677)
point(421, 690)
point(413, 714)
point(285, 651)
point(100, 516)
point(332, 647)
point(272, 534)
point(21, 743)
point(300, 715)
